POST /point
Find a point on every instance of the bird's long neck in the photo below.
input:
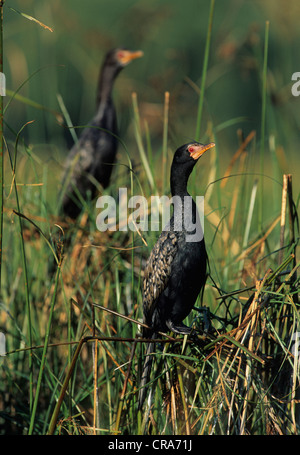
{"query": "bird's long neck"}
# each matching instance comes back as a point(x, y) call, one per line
point(185, 211)
point(179, 181)
point(105, 84)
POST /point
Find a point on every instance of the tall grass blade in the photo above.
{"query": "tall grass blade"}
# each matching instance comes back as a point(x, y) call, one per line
point(13, 164)
point(65, 385)
point(138, 135)
point(283, 217)
point(67, 118)
point(1, 142)
point(33, 19)
point(44, 354)
point(263, 124)
point(165, 141)
point(34, 104)
point(204, 70)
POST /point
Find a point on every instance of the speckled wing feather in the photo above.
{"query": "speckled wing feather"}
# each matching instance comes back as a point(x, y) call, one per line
point(157, 272)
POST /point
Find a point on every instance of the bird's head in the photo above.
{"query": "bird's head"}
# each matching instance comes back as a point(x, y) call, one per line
point(122, 57)
point(190, 153)
point(183, 163)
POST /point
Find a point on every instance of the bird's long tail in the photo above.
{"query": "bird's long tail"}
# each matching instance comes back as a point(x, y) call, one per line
point(146, 372)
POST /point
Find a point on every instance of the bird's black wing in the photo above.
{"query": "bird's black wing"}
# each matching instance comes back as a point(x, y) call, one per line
point(156, 277)
point(80, 162)
point(80, 159)
point(95, 147)
point(76, 174)
point(157, 271)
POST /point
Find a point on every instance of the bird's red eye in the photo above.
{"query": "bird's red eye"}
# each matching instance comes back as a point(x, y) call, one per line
point(121, 54)
point(191, 149)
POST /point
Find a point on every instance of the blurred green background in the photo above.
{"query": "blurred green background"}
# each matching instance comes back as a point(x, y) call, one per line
point(172, 35)
point(44, 66)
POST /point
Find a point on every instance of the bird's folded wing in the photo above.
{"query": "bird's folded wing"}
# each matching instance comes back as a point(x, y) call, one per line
point(79, 160)
point(157, 271)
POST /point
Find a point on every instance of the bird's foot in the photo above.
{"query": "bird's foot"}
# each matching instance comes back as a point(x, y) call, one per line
point(206, 319)
point(181, 329)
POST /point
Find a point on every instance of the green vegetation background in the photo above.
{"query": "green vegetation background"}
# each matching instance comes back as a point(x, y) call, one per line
point(49, 70)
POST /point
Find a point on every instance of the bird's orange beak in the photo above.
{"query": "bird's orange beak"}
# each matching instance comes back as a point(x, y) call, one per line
point(197, 150)
point(126, 57)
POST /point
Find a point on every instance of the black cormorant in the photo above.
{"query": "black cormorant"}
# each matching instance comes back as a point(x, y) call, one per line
point(176, 270)
point(90, 160)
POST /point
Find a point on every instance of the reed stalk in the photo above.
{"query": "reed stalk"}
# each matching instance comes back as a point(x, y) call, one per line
point(263, 125)
point(1, 141)
point(44, 355)
point(204, 70)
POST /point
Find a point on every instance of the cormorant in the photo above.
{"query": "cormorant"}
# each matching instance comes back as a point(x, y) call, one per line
point(176, 270)
point(90, 160)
